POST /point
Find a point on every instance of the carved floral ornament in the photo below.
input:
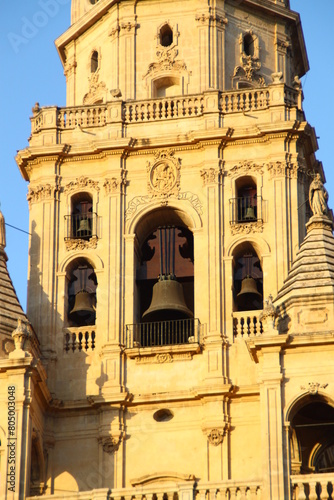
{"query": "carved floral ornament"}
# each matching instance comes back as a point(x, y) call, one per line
point(247, 228)
point(164, 175)
point(246, 167)
point(81, 183)
point(79, 244)
point(313, 387)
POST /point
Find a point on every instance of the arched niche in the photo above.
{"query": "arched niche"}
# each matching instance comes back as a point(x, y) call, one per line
point(311, 418)
point(164, 252)
point(247, 278)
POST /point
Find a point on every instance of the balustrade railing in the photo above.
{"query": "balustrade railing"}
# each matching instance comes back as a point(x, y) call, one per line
point(246, 324)
point(79, 339)
point(242, 100)
point(245, 209)
point(224, 490)
point(230, 490)
point(161, 333)
point(84, 116)
point(312, 487)
point(164, 108)
point(82, 226)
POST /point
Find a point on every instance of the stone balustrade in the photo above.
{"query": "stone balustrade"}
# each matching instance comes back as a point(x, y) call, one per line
point(128, 113)
point(312, 487)
point(79, 339)
point(227, 490)
point(246, 324)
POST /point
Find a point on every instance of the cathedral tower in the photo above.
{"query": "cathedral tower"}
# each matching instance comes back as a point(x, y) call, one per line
point(180, 261)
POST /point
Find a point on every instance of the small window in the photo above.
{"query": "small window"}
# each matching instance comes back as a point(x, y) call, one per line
point(166, 36)
point(94, 62)
point(248, 45)
point(93, 2)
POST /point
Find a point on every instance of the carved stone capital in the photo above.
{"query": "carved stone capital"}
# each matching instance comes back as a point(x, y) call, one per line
point(40, 193)
point(209, 176)
point(112, 184)
point(69, 68)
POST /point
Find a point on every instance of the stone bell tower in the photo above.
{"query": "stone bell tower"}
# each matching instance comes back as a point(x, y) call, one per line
point(174, 297)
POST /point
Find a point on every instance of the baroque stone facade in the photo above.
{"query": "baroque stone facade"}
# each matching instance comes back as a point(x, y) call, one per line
point(179, 339)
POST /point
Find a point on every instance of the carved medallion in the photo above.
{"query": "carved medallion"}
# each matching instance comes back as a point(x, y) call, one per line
point(215, 437)
point(164, 175)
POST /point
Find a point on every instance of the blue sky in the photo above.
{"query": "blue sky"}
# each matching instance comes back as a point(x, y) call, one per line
point(31, 71)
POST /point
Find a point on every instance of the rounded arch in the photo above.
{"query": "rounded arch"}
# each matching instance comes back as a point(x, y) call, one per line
point(302, 400)
point(141, 222)
point(261, 246)
point(93, 259)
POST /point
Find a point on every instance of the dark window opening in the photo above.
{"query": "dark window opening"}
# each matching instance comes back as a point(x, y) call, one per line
point(313, 426)
point(166, 36)
point(93, 2)
point(82, 295)
point(248, 45)
point(94, 62)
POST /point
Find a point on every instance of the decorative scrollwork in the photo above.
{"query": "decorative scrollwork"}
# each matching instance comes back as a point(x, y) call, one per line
point(215, 437)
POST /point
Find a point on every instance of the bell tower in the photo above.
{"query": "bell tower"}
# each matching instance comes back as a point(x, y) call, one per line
point(178, 216)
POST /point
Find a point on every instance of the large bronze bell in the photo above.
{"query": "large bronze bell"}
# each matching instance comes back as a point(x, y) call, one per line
point(83, 304)
point(167, 302)
point(248, 295)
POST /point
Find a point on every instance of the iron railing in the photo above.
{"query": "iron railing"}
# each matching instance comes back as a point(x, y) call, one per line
point(245, 209)
point(83, 226)
point(160, 333)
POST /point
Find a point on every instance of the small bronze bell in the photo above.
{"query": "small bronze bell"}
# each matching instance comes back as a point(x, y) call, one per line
point(250, 214)
point(84, 228)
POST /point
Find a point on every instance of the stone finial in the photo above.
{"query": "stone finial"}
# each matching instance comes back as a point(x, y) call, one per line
point(21, 336)
point(2, 232)
point(318, 196)
point(268, 317)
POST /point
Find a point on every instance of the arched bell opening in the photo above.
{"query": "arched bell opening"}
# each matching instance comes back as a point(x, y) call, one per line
point(165, 274)
point(313, 425)
point(164, 286)
point(247, 279)
point(81, 220)
point(82, 284)
point(247, 200)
